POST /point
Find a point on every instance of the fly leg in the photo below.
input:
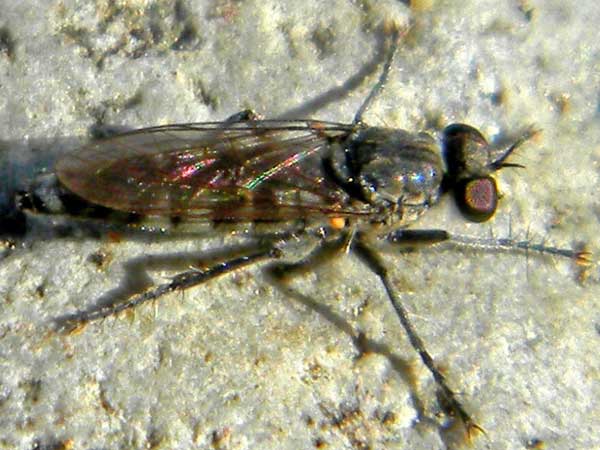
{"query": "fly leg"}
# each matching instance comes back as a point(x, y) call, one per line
point(394, 37)
point(354, 241)
point(411, 238)
point(180, 282)
point(375, 263)
point(324, 253)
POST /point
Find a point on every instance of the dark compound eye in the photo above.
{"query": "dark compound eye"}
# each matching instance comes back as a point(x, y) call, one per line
point(465, 151)
point(477, 198)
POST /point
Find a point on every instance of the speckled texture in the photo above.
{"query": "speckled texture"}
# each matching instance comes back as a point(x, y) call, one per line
point(237, 364)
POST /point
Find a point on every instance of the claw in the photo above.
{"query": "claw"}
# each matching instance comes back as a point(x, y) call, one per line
point(472, 430)
point(583, 258)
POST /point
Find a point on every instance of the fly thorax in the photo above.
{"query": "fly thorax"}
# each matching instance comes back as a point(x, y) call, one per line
point(397, 169)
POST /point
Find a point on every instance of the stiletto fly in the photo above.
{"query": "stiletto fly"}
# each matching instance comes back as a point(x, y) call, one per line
point(363, 185)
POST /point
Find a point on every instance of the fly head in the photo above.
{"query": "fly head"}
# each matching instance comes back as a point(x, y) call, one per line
point(470, 162)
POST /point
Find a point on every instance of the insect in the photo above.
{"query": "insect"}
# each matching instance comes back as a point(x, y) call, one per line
point(362, 186)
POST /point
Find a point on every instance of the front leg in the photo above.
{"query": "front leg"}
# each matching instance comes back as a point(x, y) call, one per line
point(416, 238)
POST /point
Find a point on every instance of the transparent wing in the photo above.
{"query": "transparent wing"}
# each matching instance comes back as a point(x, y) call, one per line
point(265, 170)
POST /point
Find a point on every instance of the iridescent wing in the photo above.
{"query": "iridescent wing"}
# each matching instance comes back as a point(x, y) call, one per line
point(256, 170)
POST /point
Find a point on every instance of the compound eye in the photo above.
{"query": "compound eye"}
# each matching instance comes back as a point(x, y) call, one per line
point(477, 198)
point(465, 151)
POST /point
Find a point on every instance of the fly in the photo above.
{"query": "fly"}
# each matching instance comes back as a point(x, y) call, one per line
point(364, 185)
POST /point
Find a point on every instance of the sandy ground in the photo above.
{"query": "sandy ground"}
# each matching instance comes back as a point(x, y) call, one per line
point(239, 364)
